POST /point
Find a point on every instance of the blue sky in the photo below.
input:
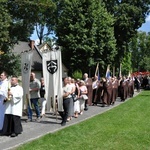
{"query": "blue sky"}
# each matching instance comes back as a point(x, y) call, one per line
point(145, 27)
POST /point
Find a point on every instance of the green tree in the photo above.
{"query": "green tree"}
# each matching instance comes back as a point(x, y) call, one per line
point(4, 25)
point(29, 15)
point(84, 30)
point(9, 62)
point(145, 64)
point(126, 64)
point(129, 16)
point(77, 74)
point(18, 19)
point(139, 48)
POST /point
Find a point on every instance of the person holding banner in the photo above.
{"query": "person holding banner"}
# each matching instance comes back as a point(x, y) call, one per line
point(99, 93)
point(34, 96)
point(3, 96)
point(94, 86)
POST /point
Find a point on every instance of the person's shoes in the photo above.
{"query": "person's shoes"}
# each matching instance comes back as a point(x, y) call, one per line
point(103, 105)
point(94, 104)
point(63, 123)
point(29, 120)
point(85, 109)
point(1, 134)
point(43, 116)
point(69, 118)
point(76, 115)
point(13, 135)
point(112, 103)
point(81, 113)
point(38, 119)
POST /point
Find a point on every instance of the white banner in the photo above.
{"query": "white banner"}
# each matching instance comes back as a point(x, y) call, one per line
point(52, 73)
point(26, 61)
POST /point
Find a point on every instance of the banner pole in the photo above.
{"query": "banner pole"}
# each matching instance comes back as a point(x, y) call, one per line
point(28, 101)
point(56, 107)
point(96, 68)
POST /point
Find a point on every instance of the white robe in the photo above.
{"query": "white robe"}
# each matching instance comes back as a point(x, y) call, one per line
point(3, 95)
point(15, 105)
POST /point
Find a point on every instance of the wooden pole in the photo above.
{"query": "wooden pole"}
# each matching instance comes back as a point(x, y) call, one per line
point(96, 68)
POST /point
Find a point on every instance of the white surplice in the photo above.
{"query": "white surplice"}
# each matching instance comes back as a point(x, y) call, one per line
point(3, 95)
point(14, 106)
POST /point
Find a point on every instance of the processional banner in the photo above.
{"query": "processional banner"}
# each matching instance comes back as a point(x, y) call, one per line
point(52, 73)
point(26, 62)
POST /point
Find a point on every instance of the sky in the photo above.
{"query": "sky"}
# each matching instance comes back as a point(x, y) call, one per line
point(145, 27)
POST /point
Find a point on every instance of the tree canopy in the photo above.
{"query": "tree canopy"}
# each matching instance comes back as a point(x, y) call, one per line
point(129, 16)
point(30, 15)
point(85, 32)
point(18, 20)
point(89, 31)
point(139, 48)
point(5, 20)
point(7, 59)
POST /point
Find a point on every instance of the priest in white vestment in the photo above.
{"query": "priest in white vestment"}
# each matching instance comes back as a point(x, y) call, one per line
point(13, 112)
point(3, 95)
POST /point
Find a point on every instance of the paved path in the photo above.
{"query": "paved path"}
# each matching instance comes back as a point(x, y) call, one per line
point(49, 124)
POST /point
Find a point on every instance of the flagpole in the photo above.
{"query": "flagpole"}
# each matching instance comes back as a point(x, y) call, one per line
point(56, 107)
point(120, 71)
point(113, 71)
point(96, 68)
point(28, 101)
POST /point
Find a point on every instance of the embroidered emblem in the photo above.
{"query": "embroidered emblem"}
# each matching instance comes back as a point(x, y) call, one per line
point(26, 67)
point(52, 66)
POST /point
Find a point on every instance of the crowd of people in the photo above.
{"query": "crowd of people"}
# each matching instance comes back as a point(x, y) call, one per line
point(11, 103)
point(78, 96)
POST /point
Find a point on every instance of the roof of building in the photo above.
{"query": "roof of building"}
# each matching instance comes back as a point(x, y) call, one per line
point(22, 46)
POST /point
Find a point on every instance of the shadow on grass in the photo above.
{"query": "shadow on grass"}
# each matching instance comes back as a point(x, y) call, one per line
point(144, 95)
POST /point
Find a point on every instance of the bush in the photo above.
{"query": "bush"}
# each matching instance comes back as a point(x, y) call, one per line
point(77, 74)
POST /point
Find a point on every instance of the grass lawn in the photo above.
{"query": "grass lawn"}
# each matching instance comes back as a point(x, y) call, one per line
point(126, 127)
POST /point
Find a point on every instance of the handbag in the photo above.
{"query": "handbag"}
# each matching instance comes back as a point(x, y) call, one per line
point(74, 97)
point(85, 97)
